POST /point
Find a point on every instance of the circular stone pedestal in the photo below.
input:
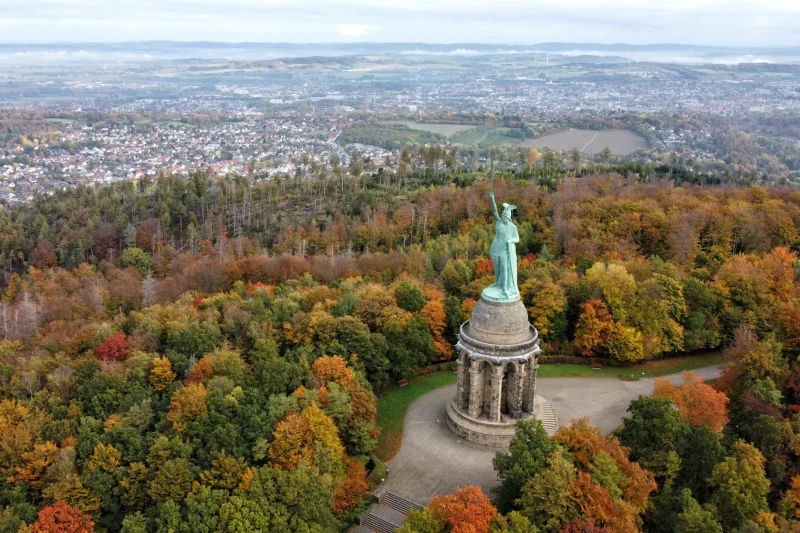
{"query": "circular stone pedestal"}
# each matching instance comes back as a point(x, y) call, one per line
point(482, 432)
point(497, 368)
point(497, 434)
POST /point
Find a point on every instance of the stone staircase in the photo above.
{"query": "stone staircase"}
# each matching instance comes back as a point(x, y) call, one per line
point(387, 515)
point(545, 413)
point(376, 520)
point(399, 504)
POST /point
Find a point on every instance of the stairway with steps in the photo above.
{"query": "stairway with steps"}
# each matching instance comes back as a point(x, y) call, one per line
point(387, 515)
point(372, 521)
point(398, 503)
point(546, 413)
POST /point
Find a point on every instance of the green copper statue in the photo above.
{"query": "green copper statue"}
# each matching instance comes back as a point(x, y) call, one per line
point(504, 253)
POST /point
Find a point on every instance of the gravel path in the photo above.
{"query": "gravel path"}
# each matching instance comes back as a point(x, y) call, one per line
point(432, 460)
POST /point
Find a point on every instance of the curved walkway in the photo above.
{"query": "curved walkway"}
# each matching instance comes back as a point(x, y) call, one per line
point(590, 142)
point(432, 460)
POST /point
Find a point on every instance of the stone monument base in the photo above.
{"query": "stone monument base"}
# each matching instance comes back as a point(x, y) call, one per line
point(482, 431)
point(497, 365)
point(497, 434)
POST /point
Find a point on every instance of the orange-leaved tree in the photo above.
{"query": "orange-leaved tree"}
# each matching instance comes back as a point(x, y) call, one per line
point(789, 320)
point(202, 370)
point(607, 464)
point(352, 488)
point(61, 518)
point(334, 369)
point(593, 328)
point(327, 369)
point(434, 314)
point(600, 508)
point(34, 465)
point(700, 404)
point(467, 306)
point(791, 498)
point(291, 444)
point(483, 266)
point(467, 511)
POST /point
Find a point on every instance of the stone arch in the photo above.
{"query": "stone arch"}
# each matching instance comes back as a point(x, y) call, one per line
point(529, 386)
point(494, 398)
point(515, 380)
point(506, 372)
point(476, 371)
point(514, 364)
point(487, 370)
point(463, 386)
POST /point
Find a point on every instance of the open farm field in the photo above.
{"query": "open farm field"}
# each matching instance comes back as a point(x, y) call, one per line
point(62, 120)
point(620, 142)
point(444, 129)
point(484, 137)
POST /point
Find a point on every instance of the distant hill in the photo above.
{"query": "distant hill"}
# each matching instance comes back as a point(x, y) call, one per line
point(166, 50)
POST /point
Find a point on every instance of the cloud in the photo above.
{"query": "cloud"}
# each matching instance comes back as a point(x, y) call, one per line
point(352, 30)
point(724, 22)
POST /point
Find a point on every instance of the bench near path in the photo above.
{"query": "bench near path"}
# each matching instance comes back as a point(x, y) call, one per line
point(432, 460)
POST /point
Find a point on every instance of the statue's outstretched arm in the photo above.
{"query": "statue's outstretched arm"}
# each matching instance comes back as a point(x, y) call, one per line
point(491, 193)
point(494, 206)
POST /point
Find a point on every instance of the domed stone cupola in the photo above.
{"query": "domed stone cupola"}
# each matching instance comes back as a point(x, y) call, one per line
point(501, 327)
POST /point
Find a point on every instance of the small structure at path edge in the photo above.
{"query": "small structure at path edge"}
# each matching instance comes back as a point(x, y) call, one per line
point(498, 350)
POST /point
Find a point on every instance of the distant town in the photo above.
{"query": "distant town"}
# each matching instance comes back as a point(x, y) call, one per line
point(61, 126)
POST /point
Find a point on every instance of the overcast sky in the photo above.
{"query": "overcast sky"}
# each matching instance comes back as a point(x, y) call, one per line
point(725, 22)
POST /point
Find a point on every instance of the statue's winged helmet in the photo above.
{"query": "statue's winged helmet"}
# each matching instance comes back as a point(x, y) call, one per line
point(507, 210)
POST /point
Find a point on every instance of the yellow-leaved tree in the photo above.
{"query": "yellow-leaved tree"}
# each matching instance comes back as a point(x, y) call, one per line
point(162, 376)
point(187, 403)
point(308, 438)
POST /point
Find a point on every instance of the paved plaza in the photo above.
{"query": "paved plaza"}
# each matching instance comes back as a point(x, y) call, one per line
point(432, 460)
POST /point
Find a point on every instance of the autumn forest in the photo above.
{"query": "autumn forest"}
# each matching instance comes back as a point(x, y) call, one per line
point(204, 354)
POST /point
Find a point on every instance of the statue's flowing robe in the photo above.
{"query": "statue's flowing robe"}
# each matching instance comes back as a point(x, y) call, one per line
point(504, 257)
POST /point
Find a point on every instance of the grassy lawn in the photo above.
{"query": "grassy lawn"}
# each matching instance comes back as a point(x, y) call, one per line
point(484, 137)
point(652, 369)
point(393, 404)
point(447, 130)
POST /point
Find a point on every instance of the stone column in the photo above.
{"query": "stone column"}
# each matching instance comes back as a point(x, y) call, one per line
point(497, 393)
point(526, 387)
point(529, 404)
point(475, 404)
point(462, 389)
point(534, 370)
point(515, 388)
